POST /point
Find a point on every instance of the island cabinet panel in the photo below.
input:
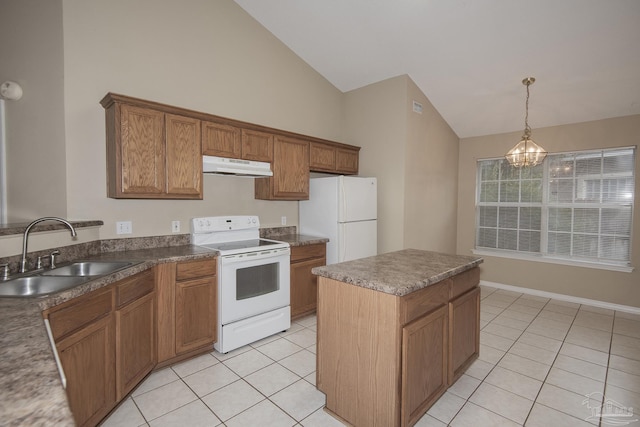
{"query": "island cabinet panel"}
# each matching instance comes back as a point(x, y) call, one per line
point(464, 333)
point(358, 359)
point(383, 359)
point(424, 364)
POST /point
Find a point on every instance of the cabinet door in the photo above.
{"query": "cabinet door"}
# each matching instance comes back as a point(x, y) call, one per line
point(290, 180)
point(424, 364)
point(221, 140)
point(141, 160)
point(195, 313)
point(135, 343)
point(257, 146)
point(464, 333)
point(184, 157)
point(304, 286)
point(87, 358)
point(322, 157)
point(347, 161)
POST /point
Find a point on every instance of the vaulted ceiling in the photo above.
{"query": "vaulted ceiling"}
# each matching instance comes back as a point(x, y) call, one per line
point(469, 56)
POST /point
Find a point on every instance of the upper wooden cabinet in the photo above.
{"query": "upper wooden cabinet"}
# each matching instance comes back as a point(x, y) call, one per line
point(257, 145)
point(290, 180)
point(224, 140)
point(221, 140)
point(154, 151)
point(151, 154)
point(324, 157)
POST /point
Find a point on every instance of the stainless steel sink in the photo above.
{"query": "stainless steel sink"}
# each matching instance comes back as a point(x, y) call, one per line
point(34, 286)
point(87, 268)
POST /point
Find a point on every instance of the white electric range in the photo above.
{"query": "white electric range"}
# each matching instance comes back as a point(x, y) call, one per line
point(253, 279)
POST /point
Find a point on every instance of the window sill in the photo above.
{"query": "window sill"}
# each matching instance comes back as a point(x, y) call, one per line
point(540, 258)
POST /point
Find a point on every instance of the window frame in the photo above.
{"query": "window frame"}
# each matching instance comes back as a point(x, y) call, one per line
point(546, 205)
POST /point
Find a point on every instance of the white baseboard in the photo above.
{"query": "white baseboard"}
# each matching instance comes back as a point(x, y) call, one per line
point(562, 297)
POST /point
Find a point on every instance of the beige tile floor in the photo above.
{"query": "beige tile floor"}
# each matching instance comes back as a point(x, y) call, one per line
point(542, 363)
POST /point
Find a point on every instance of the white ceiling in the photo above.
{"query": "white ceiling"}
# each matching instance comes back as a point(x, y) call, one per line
point(469, 56)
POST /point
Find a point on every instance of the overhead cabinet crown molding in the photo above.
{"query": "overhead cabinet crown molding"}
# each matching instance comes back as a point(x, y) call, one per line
point(154, 151)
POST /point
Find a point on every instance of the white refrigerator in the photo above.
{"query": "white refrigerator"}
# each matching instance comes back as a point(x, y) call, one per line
point(343, 209)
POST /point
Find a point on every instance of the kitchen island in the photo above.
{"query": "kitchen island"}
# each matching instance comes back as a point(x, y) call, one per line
point(394, 332)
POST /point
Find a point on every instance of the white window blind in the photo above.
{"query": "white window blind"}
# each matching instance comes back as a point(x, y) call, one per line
point(576, 206)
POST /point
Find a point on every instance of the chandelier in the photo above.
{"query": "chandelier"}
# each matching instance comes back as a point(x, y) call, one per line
point(526, 152)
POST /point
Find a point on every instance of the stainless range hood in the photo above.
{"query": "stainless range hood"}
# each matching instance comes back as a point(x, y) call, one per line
point(224, 166)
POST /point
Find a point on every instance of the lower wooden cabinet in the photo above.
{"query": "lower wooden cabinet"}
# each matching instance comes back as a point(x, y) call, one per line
point(187, 309)
point(304, 284)
point(84, 332)
point(87, 357)
point(195, 314)
point(136, 343)
point(106, 344)
point(424, 364)
point(464, 333)
point(383, 360)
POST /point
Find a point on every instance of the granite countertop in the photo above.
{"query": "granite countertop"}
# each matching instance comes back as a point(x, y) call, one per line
point(295, 239)
point(31, 392)
point(399, 273)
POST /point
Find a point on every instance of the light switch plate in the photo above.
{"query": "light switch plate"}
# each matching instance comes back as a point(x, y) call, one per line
point(124, 227)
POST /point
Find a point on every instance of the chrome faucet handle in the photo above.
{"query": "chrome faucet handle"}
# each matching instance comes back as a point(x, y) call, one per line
point(53, 254)
point(5, 271)
point(39, 263)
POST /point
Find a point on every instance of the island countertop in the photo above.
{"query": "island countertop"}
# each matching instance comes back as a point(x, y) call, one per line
point(399, 273)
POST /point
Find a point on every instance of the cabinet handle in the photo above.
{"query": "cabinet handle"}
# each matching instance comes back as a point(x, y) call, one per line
point(63, 377)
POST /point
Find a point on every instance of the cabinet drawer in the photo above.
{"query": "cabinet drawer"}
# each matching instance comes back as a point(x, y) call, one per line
point(192, 269)
point(134, 287)
point(423, 301)
point(80, 312)
point(299, 253)
point(462, 282)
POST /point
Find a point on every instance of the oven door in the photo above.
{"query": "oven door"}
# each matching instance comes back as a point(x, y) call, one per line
point(253, 283)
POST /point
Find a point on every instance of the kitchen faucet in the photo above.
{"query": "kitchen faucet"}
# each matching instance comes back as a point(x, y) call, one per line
point(25, 237)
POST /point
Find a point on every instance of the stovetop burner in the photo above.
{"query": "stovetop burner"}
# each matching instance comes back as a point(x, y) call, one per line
point(242, 244)
point(231, 235)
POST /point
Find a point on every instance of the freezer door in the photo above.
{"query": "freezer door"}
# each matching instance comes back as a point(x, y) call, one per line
point(357, 240)
point(357, 199)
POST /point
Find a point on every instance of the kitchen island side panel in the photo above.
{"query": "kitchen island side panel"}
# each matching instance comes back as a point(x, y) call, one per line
point(361, 385)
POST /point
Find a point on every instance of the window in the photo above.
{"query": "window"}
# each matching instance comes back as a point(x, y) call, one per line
point(575, 206)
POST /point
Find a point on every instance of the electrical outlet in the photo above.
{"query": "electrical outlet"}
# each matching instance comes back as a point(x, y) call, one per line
point(124, 227)
point(175, 226)
point(283, 220)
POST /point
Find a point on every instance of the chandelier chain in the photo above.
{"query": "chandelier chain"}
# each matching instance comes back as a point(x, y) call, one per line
point(527, 129)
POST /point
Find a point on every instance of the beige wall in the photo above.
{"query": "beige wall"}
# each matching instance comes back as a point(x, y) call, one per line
point(602, 285)
point(31, 52)
point(431, 177)
point(203, 55)
point(375, 119)
point(414, 156)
